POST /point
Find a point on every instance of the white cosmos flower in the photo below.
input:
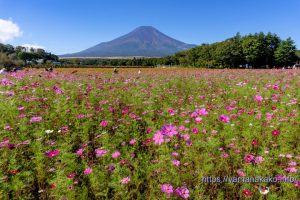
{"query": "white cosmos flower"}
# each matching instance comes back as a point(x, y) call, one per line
point(263, 190)
point(49, 131)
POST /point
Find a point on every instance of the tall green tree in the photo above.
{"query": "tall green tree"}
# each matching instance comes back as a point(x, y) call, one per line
point(285, 54)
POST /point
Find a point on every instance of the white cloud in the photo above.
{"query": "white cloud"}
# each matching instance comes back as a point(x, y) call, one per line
point(9, 30)
point(34, 46)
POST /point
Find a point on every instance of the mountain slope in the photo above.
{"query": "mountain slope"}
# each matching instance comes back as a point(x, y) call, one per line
point(143, 41)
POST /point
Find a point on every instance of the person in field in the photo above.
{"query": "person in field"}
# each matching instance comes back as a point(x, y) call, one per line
point(115, 70)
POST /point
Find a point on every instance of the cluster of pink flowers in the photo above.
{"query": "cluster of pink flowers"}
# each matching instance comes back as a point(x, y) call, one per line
point(224, 118)
point(57, 90)
point(125, 180)
point(169, 130)
point(254, 159)
point(199, 112)
point(36, 119)
point(103, 123)
point(5, 82)
point(182, 192)
point(100, 152)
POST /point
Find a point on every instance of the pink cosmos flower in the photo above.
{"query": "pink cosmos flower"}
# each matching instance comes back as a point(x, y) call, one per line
point(167, 188)
point(21, 108)
point(229, 108)
point(288, 156)
point(185, 137)
point(100, 152)
point(292, 164)
point(195, 130)
point(183, 192)
point(241, 173)
point(275, 87)
point(237, 151)
point(52, 153)
point(88, 171)
point(291, 169)
point(297, 184)
point(175, 154)
point(104, 123)
point(258, 159)
point(125, 180)
point(176, 162)
point(149, 130)
point(57, 90)
point(116, 154)
point(132, 142)
point(258, 98)
point(7, 128)
point(5, 82)
point(169, 130)
point(36, 119)
point(225, 155)
point(64, 129)
point(79, 152)
point(198, 120)
point(224, 118)
point(158, 138)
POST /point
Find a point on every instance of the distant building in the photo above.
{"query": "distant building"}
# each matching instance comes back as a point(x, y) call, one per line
point(56, 63)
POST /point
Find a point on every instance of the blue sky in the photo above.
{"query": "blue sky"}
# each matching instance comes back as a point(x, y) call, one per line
point(66, 26)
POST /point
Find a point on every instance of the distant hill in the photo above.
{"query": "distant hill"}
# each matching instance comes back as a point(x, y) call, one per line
point(144, 41)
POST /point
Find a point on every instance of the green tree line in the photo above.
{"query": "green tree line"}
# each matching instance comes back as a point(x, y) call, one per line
point(11, 57)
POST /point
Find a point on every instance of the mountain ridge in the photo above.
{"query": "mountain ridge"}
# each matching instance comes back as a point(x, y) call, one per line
point(144, 41)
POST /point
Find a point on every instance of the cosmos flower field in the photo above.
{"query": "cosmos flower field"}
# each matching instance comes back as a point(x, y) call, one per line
point(80, 134)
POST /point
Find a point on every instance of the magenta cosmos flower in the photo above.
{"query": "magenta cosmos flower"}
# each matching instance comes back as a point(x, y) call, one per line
point(88, 171)
point(125, 180)
point(104, 123)
point(158, 138)
point(167, 188)
point(247, 192)
point(57, 90)
point(291, 169)
point(249, 158)
point(52, 153)
point(169, 130)
point(36, 119)
point(224, 118)
point(275, 132)
point(182, 192)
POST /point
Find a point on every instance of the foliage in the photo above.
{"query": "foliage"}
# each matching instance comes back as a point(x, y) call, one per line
point(19, 56)
point(285, 53)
